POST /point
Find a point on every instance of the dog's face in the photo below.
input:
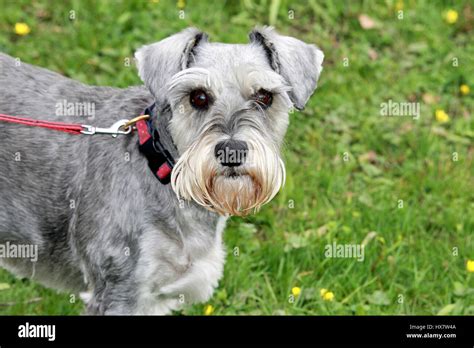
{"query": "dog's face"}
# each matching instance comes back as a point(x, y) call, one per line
point(230, 107)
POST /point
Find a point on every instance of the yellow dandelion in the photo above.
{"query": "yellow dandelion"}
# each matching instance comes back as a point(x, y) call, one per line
point(208, 310)
point(22, 29)
point(470, 266)
point(296, 291)
point(328, 296)
point(451, 16)
point(441, 116)
point(464, 89)
point(181, 4)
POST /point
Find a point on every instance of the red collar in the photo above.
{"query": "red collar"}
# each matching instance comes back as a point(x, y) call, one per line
point(159, 159)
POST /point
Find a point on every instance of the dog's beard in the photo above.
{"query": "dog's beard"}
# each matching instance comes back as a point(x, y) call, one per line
point(241, 191)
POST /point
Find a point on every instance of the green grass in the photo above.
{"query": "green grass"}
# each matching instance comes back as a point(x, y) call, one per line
point(409, 266)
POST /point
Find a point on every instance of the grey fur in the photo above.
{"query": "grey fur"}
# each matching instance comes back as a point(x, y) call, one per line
point(103, 223)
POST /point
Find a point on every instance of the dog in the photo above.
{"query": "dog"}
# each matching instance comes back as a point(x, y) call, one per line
point(102, 223)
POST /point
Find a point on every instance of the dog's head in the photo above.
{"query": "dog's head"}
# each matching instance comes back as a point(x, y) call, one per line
point(230, 107)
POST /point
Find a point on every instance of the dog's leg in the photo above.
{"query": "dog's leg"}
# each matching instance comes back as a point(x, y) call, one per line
point(112, 297)
point(109, 273)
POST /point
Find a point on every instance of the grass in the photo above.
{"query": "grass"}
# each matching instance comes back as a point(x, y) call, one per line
point(348, 167)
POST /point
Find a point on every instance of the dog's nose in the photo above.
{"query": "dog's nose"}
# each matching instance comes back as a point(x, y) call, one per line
point(231, 153)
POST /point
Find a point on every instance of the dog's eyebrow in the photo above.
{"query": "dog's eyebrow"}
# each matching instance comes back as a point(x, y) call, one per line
point(200, 74)
point(275, 89)
point(268, 80)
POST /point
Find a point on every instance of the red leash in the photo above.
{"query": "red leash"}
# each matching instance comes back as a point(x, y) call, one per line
point(59, 126)
point(159, 159)
point(119, 127)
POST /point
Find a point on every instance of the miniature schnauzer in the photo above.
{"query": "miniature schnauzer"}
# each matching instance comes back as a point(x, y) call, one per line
point(102, 224)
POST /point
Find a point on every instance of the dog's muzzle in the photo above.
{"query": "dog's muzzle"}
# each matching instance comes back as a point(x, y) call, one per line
point(229, 176)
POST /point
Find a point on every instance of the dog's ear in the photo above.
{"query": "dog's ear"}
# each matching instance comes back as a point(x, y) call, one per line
point(158, 62)
point(299, 63)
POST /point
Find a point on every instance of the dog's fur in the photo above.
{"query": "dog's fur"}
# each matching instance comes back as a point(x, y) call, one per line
point(100, 219)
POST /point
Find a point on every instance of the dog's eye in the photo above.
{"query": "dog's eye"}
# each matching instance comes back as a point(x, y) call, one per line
point(264, 98)
point(199, 99)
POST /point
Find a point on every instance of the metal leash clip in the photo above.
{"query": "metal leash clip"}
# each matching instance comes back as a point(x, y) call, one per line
point(119, 127)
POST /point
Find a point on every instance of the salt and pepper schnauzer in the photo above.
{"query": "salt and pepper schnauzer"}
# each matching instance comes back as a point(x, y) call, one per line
point(103, 224)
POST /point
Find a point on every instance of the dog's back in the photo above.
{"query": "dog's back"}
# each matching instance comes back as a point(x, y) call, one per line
point(42, 171)
point(35, 165)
